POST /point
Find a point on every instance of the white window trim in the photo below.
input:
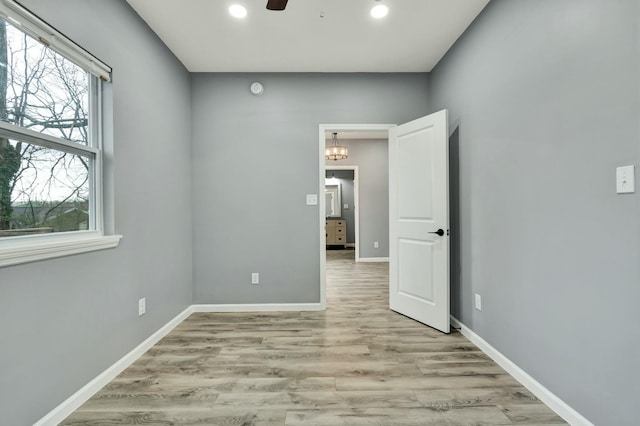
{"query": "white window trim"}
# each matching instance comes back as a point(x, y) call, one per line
point(24, 249)
point(32, 248)
point(44, 140)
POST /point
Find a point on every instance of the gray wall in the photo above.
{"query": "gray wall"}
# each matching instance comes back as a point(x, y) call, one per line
point(63, 321)
point(345, 179)
point(545, 99)
point(237, 138)
point(372, 159)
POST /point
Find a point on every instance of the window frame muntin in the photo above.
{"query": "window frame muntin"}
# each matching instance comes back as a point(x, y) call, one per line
point(12, 131)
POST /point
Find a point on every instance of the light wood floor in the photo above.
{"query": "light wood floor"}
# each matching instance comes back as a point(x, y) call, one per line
point(355, 364)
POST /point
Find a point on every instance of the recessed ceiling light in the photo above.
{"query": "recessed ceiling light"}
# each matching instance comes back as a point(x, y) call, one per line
point(237, 11)
point(379, 11)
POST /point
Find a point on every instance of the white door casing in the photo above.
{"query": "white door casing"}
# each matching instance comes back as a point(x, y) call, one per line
point(418, 209)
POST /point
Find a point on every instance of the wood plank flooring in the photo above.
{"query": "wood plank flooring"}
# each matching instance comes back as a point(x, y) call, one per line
point(357, 363)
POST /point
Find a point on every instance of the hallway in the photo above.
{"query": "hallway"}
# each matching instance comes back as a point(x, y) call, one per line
point(355, 364)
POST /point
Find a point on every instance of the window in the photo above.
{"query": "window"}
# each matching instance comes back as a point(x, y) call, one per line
point(50, 139)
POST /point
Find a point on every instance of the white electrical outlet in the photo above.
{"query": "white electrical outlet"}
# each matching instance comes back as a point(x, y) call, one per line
point(376, 244)
point(142, 306)
point(346, 206)
point(255, 278)
point(478, 302)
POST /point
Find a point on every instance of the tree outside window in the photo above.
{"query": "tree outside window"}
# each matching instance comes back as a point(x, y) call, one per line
point(44, 186)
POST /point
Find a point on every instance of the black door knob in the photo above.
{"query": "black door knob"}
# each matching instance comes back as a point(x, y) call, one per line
point(439, 232)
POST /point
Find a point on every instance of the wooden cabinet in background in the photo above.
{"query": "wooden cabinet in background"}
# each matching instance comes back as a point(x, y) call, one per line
point(336, 230)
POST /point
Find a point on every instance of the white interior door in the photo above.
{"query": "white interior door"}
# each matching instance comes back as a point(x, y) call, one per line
point(419, 220)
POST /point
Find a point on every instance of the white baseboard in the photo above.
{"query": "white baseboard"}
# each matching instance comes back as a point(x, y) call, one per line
point(455, 323)
point(258, 307)
point(351, 245)
point(373, 259)
point(72, 403)
point(542, 393)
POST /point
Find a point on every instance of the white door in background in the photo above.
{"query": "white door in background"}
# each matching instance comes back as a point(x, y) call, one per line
point(419, 220)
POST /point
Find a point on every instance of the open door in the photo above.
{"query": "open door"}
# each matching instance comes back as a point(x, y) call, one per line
point(419, 220)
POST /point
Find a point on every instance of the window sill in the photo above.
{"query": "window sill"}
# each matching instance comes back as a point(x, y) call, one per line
point(14, 251)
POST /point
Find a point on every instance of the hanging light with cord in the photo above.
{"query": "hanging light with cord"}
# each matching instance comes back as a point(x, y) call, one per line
point(334, 151)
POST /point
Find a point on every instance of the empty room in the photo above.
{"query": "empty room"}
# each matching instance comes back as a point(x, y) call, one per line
point(175, 250)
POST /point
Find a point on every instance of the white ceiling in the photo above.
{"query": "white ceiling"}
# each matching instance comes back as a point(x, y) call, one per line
point(412, 38)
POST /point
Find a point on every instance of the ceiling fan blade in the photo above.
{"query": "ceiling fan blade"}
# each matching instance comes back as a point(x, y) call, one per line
point(276, 4)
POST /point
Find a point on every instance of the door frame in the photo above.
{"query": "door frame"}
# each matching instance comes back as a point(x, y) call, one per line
point(356, 203)
point(322, 130)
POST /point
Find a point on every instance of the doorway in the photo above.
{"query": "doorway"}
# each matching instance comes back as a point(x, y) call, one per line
point(357, 131)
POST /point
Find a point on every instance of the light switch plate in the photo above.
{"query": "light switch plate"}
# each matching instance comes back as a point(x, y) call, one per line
point(625, 180)
point(312, 199)
point(478, 302)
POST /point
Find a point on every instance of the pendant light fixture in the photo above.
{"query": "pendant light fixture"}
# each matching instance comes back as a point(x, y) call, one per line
point(334, 151)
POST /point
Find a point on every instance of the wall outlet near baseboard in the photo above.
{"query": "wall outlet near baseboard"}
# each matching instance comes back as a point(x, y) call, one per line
point(255, 278)
point(142, 306)
point(376, 244)
point(478, 302)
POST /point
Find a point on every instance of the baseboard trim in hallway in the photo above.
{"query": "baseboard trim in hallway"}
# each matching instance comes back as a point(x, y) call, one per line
point(542, 393)
point(373, 259)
